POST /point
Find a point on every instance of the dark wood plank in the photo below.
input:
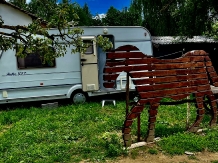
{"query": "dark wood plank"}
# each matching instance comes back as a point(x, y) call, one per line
point(160, 73)
point(168, 79)
point(177, 66)
point(136, 109)
point(127, 68)
point(126, 130)
point(209, 63)
point(125, 55)
point(210, 69)
point(172, 85)
point(147, 60)
point(127, 48)
point(168, 93)
point(109, 84)
point(107, 77)
point(195, 53)
point(153, 67)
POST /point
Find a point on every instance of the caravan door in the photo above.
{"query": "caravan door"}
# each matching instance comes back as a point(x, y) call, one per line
point(89, 66)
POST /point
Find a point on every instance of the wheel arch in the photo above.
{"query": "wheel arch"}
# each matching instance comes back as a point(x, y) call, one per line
point(73, 89)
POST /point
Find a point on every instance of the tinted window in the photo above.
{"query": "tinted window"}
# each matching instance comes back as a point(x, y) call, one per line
point(90, 49)
point(34, 60)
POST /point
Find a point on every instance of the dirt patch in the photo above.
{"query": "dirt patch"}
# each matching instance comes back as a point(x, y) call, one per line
point(204, 157)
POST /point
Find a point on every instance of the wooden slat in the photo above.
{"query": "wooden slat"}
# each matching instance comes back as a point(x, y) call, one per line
point(214, 79)
point(109, 84)
point(153, 67)
point(207, 58)
point(176, 92)
point(173, 85)
point(152, 112)
point(133, 115)
point(127, 48)
point(125, 55)
point(128, 122)
point(195, 52)
point(147, 60)
point(160, 73)
point(168, 79)
point(149, 100)
point(126, 130)
point(179, 97)
point(127, 68)
point(168, 93)
point(136, 109)
point(107, 77)
point(177, 66)
point(210, 69)
point(213, 74)
point(209, 63)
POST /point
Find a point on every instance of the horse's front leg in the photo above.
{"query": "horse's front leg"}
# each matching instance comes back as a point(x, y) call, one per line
point(151, 122)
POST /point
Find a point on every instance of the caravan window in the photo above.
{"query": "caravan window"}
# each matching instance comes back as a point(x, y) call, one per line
point(90, 49)
point(111, 39)
point(33, 60)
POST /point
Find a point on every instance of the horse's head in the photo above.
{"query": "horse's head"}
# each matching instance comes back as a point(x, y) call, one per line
point(120, 60)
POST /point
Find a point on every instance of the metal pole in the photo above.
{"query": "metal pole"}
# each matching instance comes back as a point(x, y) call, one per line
point(127, 93)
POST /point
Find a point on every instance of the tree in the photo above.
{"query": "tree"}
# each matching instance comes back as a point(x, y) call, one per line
point(134, 14)
point(178, 17)
point(43, 10)
point(113, 17)
point(34, 37)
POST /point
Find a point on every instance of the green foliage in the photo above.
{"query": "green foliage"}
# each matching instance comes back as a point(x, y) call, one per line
point(216, 161)
point(214, 31)
point(113, 17)
point(153, 151)
point(127, 17)
point(178, 17)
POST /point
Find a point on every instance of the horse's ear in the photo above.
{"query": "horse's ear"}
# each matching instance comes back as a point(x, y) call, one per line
point(126, 48)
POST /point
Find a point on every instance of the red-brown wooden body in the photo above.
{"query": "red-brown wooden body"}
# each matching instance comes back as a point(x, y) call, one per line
point(158, 78)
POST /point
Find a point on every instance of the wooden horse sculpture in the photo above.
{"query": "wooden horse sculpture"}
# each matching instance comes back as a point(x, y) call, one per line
point(155, 79)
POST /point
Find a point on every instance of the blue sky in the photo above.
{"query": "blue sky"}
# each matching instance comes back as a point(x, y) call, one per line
point(102, 6)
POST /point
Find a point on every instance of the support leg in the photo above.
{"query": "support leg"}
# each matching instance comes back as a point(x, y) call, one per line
point(151, 122)
point(200, 114)
point(213, 108)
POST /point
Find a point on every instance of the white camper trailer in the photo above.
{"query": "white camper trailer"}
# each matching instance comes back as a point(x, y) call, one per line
point(75, 76)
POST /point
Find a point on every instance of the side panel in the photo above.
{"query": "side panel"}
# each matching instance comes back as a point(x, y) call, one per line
point(19, 85)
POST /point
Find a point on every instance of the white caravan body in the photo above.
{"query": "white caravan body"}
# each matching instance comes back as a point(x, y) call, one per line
point(70, 74)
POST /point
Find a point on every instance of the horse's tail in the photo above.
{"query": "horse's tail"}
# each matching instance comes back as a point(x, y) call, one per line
point(212, 74)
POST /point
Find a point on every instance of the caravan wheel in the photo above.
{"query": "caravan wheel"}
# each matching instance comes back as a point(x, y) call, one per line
point(79, 97)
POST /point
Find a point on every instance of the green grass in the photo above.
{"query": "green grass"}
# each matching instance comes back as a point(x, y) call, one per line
point(74, 133)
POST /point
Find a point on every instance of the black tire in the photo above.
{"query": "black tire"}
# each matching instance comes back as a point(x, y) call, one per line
point(79, 97)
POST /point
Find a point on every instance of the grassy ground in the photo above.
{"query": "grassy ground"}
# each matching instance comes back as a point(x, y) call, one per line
point(72, 133)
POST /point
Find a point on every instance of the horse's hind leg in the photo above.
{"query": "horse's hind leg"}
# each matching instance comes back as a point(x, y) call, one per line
point(213, 106)
point(151, 122)
point(200, 114)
